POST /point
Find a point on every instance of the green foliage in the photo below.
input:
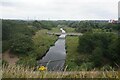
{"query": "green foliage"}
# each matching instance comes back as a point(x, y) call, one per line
point(21, 44)
point(73, 24)
point(97, 57)
point(27, 61)
point(15, 32)
point(112, 26)
point(89, 41)
point(86, 66)
point(72, 53)
point(85, 27)
point(44, 24)
point(37, 24)
point(22, 38)
point(114, 51)
point(5, 45)
point(41, 42)
point(101, 46)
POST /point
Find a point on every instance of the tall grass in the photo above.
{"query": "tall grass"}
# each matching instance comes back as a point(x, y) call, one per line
point(13, 71)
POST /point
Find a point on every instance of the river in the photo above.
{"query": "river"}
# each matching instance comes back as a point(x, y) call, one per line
point(55, 58)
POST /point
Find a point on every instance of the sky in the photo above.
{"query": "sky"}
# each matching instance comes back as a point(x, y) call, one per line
point(59, 9)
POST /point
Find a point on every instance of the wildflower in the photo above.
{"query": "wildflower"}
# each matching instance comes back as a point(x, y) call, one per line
point(42, 68)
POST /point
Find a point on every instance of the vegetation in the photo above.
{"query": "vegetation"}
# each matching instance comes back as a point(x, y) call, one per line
point(67, 29)
point(93, 48)
point(90, 26)
point(25, 40)
point(72, 52)
point(41, 44)
point(44, 24)
point(12, 32)
point(29, 40)
point(100, 47)
point(26, 72)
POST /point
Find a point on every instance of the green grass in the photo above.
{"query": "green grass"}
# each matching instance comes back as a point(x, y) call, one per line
point(72, 53)
point(43, 41)
point(55, 29)
point(75, 60)
point(67, 29)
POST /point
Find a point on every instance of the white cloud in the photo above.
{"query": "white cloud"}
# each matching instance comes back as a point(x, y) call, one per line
point(60, 9)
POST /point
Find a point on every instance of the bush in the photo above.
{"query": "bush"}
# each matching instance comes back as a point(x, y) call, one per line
point(97, 57)
point(5, 45)
point(14, 33)
point(21, 44)
point(86, 66)
point(89, 41)
point(100, 46)
point(114, 51)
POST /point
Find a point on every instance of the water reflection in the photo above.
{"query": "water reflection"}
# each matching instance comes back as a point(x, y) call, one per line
point(55, 57)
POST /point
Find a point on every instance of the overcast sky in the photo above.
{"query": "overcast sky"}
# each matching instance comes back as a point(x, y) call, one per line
point(59, 9)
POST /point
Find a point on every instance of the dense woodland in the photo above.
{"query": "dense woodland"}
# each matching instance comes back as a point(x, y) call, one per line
point(100, 40)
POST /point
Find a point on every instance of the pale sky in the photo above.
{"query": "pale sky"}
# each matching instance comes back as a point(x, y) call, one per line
point(59, 9)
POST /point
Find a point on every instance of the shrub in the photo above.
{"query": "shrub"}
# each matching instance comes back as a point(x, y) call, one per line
point(114, 51)
point(100, 46)
point(86, 66)
point(21, 44)
point(97, 57)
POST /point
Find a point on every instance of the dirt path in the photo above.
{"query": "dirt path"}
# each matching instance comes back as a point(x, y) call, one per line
point(10, 57)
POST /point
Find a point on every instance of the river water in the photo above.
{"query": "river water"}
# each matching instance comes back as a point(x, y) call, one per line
point(55, 58)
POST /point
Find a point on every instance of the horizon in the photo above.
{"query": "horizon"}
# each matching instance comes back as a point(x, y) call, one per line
point(60, 19)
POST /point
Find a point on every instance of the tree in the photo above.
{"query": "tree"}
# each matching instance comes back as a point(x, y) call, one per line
point(21, 44)
point(114, 51)
point(97, 56)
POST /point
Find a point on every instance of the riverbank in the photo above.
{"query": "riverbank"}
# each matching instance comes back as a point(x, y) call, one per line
point(42, 42)
point(10, 57)
point(71, 48)
point(74, 60)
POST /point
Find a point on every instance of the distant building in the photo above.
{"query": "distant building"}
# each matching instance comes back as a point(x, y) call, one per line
point(98, 21)
point(113, 21)
point(119, 11)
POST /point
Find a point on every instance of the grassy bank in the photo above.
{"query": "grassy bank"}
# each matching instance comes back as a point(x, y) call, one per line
point(42, 42)
point(76, 60)
point(71, 44)
point(26, 72)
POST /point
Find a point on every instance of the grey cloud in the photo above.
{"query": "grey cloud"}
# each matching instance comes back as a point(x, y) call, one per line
point(60, 9)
